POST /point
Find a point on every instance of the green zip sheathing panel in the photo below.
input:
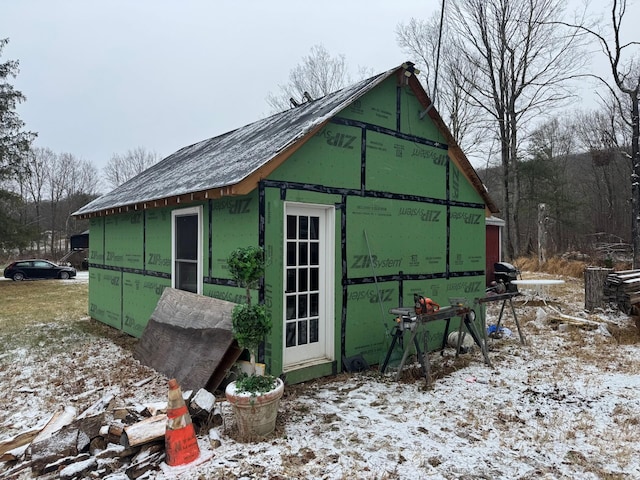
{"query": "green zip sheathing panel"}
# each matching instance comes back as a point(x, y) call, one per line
point(96, 240)
point(105, 296)
point(140, 297)
point(410, 122)
point(460, 189)
point(377, 106)
point(157, 241)
point(403, 236)
point(273, 278)
point(331, 158)
point(124, 240)
point(369, 323)
point(468, 239)
point(234, 223)
point(403, 167)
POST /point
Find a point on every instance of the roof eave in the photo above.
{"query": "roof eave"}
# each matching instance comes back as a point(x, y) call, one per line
point(243, 187)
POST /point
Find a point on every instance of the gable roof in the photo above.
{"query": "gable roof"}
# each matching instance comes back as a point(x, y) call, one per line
point(234, 163)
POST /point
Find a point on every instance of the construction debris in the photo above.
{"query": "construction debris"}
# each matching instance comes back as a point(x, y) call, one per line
point(105, 438)
point(189, 338)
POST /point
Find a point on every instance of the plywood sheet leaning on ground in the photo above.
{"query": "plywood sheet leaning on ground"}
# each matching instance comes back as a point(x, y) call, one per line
point(189, 338)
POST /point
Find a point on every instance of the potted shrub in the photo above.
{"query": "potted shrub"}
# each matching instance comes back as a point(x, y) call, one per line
point(254, 398)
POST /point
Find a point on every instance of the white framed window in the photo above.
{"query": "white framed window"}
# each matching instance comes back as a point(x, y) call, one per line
point(186, 249)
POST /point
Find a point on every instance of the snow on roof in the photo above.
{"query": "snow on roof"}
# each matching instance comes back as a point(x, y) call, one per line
point(229, 158)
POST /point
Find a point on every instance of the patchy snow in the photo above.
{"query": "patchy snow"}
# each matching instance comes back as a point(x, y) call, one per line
point(564, 406)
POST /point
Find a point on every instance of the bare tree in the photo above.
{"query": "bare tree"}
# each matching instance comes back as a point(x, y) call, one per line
point(602, 136)
point(521, 65)
point(80, 188)
point(121, 168)
point(544, 180)
point(35, 181)
point(624, 61)
point(59, 170)
point(316, 76)
point(447, 77)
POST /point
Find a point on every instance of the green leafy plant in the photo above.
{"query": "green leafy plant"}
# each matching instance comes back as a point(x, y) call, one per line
point(250, 325)
point(255, 384)
point(250, 322)
point(246, 266)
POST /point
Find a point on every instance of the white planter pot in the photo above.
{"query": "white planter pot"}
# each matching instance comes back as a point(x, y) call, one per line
point(255, 415)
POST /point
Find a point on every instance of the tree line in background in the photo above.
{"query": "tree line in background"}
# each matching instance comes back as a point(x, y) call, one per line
point(497, 71)
point(39, 188)
point(578, 197)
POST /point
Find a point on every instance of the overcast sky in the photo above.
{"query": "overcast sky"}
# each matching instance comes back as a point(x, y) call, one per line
point(103, 77)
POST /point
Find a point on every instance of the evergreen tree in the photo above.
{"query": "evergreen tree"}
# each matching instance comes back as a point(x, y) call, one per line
point(14, 147)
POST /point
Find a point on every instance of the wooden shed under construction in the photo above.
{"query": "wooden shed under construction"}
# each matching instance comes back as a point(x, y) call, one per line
point(360, 199)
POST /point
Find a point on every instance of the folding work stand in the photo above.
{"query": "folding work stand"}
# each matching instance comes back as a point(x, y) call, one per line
point(504, 297)
point(408, 320)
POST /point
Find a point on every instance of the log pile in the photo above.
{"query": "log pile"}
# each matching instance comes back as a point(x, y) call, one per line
point(108, 437)
point(623, 289)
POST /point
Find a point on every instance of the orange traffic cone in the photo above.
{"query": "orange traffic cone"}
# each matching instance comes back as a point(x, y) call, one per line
point(180, 440)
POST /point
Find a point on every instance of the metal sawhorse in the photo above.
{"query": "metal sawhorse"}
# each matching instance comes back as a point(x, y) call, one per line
point(408, 320)
point(504, 297)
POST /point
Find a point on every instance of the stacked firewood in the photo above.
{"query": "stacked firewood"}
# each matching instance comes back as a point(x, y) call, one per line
point(623, 289)
point(108, 437)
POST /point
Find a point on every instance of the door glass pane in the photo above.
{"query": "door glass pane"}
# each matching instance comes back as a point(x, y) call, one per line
point(314, 230)
point(291, 253)
point(304, 228)
point(303, 283)
point(313, 330)
point(303, 257)
point(314, 282)
point(186, 237)
point(291, 280)
point(291, 307)
point(313, 305)
point(291, 334)
point(314, 253)
point(292, 222)
point(302, 332)
point(302, 306)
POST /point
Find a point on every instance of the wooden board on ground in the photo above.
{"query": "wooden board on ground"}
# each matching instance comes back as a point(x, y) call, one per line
point(189, 338)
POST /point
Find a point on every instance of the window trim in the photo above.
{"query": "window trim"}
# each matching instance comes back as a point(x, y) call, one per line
point(182, 212)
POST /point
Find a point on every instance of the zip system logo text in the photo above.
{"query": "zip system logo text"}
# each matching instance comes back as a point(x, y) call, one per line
point(366, 261)
point(469, 218)
point(426, 215)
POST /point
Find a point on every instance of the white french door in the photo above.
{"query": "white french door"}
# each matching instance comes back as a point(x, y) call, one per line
point(308, 284)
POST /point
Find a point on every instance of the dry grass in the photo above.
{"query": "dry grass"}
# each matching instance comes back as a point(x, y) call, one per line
point(554, 266)
point(559, 266)
point(29, 302)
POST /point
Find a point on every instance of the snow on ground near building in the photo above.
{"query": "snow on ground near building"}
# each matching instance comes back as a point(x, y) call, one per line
point(565, 406)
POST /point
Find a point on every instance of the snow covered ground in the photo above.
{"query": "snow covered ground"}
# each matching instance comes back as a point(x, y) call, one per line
point(565, 406)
